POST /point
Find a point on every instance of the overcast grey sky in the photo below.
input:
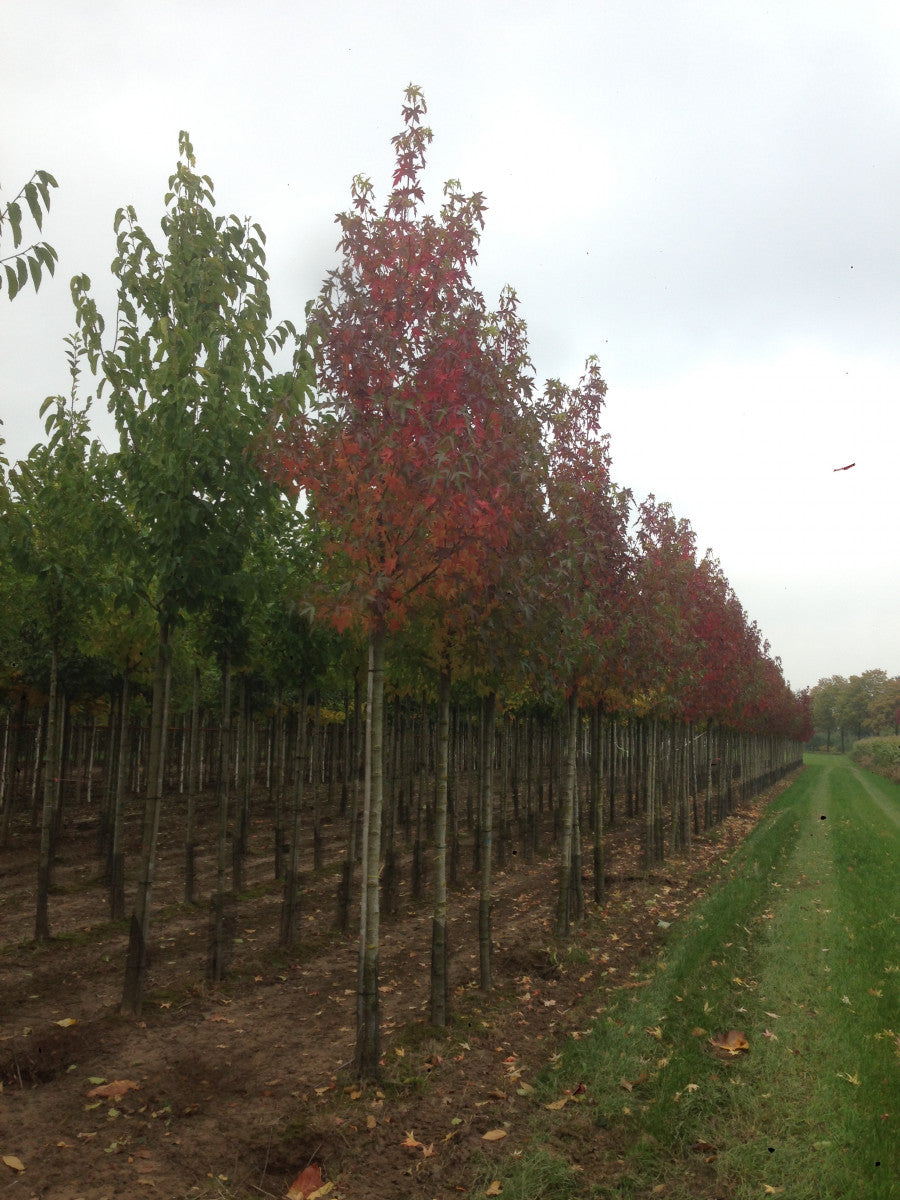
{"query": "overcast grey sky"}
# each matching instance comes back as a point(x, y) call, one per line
point(704, 194)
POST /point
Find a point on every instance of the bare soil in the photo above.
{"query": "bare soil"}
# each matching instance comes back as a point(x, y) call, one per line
point(240, 1086)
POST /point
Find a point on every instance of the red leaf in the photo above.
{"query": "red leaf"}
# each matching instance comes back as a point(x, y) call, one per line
point(308, 1181)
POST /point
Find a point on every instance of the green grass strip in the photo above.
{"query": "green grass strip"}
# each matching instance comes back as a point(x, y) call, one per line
point(797, 949)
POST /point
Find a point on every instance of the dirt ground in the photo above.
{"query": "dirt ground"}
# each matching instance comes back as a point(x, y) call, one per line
point(236, 1088)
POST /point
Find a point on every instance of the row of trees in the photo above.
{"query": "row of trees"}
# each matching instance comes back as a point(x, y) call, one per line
point(398, 489)
point(868, 703)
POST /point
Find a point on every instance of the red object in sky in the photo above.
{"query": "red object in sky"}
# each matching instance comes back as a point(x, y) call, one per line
point(847, 468)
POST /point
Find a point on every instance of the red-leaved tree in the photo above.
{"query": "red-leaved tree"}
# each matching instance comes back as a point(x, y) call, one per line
point(404, 456)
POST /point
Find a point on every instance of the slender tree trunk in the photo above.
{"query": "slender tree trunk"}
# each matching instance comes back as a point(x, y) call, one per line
point(486, 806)
point(317, 750)
point(368, 1023)
point(280, 779)
point(597, 774)
point(45, 864)
point(440, 975)
point(193, 790)
point(222, 904)
point(568, 816)
point(352, 773)
point(116, 852)
point(652, 804)
point(290, 906)
point(136, 965)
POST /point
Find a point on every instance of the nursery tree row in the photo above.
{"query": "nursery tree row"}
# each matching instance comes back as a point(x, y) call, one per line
point(365, 567)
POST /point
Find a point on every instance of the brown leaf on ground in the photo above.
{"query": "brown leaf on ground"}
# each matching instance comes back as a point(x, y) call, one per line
point(732, 1042)
point(308, 1181)
point(493, 1135)
point(14, 1163)
point(113, 1091)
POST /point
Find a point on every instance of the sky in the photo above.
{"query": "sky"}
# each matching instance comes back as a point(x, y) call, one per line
point(705, 195)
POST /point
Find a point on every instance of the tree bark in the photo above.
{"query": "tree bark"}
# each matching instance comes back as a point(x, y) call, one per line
point(368, 1017)
point(486, 807)
point(568, 816)
point(290, 905)
point(51, 783)
point(193, 790)
point(440, 976)
point(136, 965)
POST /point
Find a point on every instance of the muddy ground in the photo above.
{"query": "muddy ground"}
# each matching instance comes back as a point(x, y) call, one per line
point(241, 1085)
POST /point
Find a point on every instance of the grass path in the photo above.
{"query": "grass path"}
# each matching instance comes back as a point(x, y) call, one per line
point(798, 951)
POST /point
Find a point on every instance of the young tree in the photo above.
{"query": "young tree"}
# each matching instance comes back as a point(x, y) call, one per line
point(584, 577)
point(51, 522)
point(397, 455)
point(190, 386)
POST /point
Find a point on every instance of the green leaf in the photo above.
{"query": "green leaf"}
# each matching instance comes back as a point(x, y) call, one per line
point(14, 214)
point(35, 268)
point(31, 195)
point(12, 282)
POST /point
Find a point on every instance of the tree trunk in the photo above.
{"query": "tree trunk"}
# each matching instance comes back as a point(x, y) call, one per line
point(486, 833)
point(45, 863)
point(136, 965)
point(568, 816)
point(440, 975)
point(597, 774)
point(193, 790)
point(368, 1017)
point(290, 906)
point(116, 852)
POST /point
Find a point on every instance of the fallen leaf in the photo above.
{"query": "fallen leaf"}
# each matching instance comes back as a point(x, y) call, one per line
point(557, 1104)
point(411, 1141)
point(771, 1191)
point(493, 1135)
point(66, 1022)
point(495, 1189)
point(732, 1042)
point(767, 1033)
point(703, 1148)
point(370, 1122)
point(113, 1091)
point(655, 1032)
point(307, 1182)
point(623, 1083)
point(14, 1164)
